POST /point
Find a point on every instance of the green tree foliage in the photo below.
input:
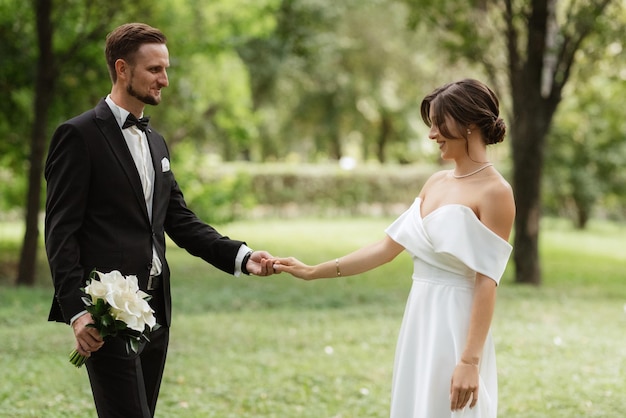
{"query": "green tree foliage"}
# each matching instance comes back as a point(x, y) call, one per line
point(55, 53)
point(529, 48)
point(587, 145)
point(17, 75)
point(209, 101)
point(334, 75)
point(317, 80)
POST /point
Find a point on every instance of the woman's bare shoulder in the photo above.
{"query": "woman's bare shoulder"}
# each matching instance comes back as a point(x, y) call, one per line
point(497, 207)
point(499, 189)
point(433, 179)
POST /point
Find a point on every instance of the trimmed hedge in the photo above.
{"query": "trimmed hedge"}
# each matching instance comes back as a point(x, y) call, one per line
point(228, 192)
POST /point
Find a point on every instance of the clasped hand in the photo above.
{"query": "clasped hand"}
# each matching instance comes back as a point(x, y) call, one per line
point(292, 266)
point(262, 263)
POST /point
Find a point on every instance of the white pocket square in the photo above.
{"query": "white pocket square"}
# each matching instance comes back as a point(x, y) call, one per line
point(165, 165)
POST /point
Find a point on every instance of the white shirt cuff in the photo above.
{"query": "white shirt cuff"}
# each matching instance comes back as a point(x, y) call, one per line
point(78, 315)
point(243, 250)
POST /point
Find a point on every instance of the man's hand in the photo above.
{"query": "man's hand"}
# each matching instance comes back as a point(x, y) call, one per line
point(260, 263)
point(88, 339)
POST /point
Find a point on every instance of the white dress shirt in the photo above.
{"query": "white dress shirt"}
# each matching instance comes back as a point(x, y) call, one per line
point(139, 149)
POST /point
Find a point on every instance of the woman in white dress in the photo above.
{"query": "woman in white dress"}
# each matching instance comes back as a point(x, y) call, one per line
point(456, 232)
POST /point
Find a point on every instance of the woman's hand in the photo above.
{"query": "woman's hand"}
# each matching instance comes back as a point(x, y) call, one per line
point(464, 386)
point(294, 267)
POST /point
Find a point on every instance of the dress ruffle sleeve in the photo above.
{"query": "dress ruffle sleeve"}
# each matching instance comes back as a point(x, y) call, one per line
point(452, 232)
point(404, 230)
point(469, 240)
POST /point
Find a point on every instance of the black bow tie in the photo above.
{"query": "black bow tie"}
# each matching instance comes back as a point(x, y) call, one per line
point(141, 123)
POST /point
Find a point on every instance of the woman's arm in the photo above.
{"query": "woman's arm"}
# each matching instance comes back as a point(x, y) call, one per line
point(497, 212)
point(464, 382)
point(359, 261)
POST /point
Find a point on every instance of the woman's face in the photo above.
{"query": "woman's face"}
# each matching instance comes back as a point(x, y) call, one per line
point(450, 148)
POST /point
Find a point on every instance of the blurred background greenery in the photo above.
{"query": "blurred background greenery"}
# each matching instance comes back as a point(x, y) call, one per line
point(311, 107)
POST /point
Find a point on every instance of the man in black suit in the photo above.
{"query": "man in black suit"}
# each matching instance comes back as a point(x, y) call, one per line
point(111, 197)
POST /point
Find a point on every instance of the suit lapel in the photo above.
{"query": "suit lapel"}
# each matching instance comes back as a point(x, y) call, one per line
point(113, 135)
point(157, 155)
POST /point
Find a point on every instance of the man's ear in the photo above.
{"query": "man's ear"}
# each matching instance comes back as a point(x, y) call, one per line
point(122, 69)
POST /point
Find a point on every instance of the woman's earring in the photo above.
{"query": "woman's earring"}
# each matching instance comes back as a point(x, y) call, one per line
point(469, 132)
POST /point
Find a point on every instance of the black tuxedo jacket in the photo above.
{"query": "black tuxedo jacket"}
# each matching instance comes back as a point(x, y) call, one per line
point(96, 213)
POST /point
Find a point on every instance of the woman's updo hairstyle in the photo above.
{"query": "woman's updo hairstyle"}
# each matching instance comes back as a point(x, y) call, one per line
point(465, 102)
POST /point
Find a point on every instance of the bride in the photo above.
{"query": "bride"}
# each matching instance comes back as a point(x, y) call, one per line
point(456, 232)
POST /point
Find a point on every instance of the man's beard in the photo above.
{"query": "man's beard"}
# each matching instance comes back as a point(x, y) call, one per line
point(144, 98)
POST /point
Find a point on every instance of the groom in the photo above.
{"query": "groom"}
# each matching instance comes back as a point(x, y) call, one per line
point(111, 197)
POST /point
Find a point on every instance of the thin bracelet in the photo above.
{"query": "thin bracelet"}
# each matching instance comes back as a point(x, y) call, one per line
point(463, 361)
point(337, 266)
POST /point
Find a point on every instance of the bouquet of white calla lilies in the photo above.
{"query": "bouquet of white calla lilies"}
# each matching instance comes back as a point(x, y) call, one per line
point(118, 308)
point(128, 303)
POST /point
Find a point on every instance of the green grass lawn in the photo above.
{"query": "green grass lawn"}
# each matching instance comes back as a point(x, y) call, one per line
point(279, 347)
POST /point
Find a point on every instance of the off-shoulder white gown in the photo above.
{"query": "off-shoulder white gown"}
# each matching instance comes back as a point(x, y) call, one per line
point(448, 247)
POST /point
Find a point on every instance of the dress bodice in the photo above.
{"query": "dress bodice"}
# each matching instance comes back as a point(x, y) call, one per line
point(451, 239)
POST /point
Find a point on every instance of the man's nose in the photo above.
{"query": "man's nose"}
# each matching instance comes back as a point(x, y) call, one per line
point(164, 81)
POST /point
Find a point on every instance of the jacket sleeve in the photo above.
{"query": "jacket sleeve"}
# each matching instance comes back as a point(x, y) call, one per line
point(197, 237)
point(67, 174)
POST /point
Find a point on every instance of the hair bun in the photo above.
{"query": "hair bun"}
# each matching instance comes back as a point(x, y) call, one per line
point(495, 134)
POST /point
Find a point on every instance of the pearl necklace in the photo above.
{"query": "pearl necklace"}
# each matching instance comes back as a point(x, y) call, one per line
point(472, 173)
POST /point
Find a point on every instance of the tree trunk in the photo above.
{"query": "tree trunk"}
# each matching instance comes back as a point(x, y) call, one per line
point(529, 126)
point(527, 165)
point(332, 130)
point(582, 217)
point(43, 98)
point(386, 128)
point(529, 130)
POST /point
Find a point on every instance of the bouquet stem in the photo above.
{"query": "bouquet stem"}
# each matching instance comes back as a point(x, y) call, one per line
point(77, 359)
